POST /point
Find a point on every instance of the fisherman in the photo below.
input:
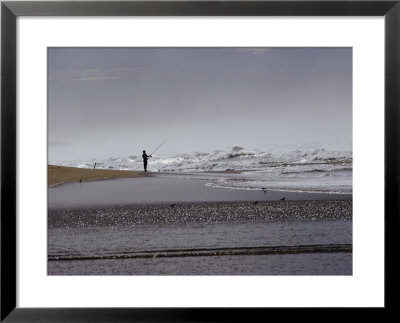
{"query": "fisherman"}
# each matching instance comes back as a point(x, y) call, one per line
point(145, 157)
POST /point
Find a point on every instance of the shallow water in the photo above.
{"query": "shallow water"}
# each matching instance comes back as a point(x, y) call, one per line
point(143, 228)
point(295, 264)
point(163, 189)
point(118, 240)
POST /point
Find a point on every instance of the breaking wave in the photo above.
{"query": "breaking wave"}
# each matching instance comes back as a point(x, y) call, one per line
point(301, 167)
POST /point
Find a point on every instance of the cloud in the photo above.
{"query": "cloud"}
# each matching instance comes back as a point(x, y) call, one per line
point(93, 74)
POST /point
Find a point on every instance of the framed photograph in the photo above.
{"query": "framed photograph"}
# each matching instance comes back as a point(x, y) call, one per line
point(182, 160)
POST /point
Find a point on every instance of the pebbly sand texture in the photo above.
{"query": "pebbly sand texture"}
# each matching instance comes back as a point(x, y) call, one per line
point(212, 212)
point(191, 229)
point(203, 238)
point(61, 174)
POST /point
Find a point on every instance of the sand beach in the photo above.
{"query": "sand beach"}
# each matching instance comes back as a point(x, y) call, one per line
point(204, 238)
point(137, 223)
point(61, 174)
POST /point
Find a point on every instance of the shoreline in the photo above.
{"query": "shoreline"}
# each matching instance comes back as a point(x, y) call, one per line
point(152, 188)
point(58, 175)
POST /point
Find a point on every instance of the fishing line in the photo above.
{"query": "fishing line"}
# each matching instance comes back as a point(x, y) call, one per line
point(159, 146)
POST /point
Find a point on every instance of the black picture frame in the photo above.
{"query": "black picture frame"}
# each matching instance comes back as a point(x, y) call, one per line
point(10, 10)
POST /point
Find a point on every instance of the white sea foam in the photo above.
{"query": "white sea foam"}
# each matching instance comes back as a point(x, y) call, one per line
point(315, 168)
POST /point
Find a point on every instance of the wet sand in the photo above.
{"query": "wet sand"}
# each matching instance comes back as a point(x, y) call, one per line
point(204, 238)
point(138, 226)
point(157, 188)
point(200, 212)
point(61, 174)
point(321, 264)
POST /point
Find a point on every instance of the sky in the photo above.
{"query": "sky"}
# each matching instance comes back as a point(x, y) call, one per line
point(116, 102)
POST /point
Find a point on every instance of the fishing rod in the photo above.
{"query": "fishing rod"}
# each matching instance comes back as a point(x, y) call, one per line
point(159, 146)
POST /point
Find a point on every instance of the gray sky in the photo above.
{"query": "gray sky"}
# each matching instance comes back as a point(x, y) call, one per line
point(110, 102)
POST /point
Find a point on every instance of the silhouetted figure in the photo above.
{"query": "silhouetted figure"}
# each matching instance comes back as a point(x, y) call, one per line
point(282, 199)
point(145, 157)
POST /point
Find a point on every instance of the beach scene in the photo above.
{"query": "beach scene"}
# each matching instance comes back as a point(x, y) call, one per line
point(200, 161)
